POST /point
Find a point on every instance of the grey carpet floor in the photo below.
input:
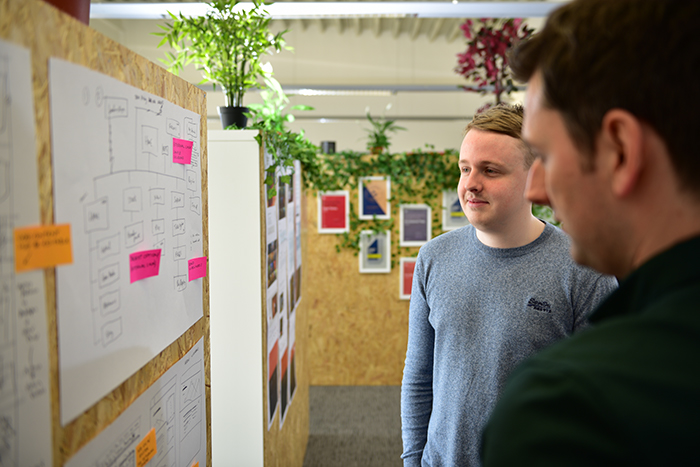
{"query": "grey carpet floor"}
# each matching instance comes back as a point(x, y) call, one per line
point(354, 426)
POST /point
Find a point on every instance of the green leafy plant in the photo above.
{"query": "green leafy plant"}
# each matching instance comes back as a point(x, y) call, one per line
point(378, 140)
point(416, 177)
point(284, 145)
point(226, 45)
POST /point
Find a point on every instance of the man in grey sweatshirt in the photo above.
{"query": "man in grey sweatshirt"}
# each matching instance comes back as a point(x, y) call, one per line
point(485, 297)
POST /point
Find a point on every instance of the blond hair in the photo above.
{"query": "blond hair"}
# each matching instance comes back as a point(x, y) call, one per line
point(504, 119)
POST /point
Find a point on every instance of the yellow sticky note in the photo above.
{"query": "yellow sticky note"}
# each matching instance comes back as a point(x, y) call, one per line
point(146, 448)
point(41, 247)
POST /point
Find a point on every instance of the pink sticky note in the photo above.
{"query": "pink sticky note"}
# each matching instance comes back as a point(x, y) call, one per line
point(144, 264)
point(182, 151)
point(197, 268)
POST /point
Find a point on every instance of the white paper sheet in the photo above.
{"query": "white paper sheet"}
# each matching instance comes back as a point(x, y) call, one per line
point(174, 405)
point(297, 231)
point(273, 304)
point(116, 183)
point(25, 404)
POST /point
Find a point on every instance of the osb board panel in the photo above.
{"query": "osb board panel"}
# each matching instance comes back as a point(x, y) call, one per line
point(50, 33)
point(286, 447)
point(358, 327)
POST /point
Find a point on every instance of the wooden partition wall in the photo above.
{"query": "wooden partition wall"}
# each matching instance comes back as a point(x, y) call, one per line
point(358, 327)
point(243, 434)
point(47, 33)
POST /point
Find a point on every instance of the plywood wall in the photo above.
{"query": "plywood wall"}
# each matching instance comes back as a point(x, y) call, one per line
point(358, 327)
point(50, 33)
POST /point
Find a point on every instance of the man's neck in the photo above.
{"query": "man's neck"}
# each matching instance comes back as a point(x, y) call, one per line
point(513, 237)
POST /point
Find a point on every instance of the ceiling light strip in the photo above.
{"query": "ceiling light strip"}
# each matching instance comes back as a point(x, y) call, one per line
point(315, 10)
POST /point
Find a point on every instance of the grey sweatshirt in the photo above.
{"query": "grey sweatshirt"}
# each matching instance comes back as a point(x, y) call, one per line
point(475, 313)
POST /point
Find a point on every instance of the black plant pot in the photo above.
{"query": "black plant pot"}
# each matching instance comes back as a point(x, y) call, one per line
point(233, 116)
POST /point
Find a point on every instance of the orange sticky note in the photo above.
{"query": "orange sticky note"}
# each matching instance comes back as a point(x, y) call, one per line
point(146, 448)
point(41, 247)
point(196, 464)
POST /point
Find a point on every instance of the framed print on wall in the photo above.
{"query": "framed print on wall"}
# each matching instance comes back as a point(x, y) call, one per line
point(414, 224)
point(375, 252)
point(407, 266)
point(374, 194)
point(333, 209)
point(453, 216)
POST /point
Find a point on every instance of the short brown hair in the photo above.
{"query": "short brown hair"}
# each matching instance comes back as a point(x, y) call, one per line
point(504, 119)
point(642, 56)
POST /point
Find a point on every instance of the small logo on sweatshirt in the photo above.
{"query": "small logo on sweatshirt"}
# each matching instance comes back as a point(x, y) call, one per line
point(539, 305)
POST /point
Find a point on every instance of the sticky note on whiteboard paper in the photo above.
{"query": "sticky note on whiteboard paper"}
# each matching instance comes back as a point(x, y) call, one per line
point(182, 151)
point(44, 246)
point(146, 449)
point(197, 267)
point(143, 264)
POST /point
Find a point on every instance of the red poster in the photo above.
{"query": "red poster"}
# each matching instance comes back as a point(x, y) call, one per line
point(408, 268)
point(408, 265)
point(333, 212)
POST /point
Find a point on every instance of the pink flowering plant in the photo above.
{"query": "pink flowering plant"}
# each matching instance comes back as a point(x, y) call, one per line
point(484, 63)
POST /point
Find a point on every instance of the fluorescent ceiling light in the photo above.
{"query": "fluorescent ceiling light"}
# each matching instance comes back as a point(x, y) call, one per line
point(339, 92)
point(311, 10)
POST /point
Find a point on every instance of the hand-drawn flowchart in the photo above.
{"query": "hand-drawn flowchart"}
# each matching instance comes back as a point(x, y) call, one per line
point(116, 183)
point(174, 406)
point(25, 410)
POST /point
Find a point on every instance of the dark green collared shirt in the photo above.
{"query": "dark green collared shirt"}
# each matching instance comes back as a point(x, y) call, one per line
point(624, 392)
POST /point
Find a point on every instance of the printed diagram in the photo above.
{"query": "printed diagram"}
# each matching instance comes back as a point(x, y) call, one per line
point(123, 450)
point(25, 421)
point(174, 406)
point(149, 214)
point(163, 420)
point(116, 185)
point(191, 413)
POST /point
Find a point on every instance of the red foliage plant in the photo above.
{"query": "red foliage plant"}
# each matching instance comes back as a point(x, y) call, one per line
point(485, 63)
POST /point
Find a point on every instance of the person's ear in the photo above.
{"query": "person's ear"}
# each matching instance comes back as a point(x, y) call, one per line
point(621, 147)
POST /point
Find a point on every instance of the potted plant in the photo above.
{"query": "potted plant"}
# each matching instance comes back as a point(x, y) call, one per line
point(226, 45)
point(485, 62)
point(378, 138)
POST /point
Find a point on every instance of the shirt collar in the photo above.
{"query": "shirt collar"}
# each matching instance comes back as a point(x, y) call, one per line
point(670, 270)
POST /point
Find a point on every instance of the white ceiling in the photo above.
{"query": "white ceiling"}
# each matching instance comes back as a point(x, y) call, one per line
point(432, 19)
point(400, 68)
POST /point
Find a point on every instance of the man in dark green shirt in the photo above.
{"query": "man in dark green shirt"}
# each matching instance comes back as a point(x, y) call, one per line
point(611, 106)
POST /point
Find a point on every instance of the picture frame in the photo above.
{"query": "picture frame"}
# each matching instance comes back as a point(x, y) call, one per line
point(374, 194)
point(375, 252)
point(414, 224)
point(406, 269)
point(333, 212)
point(453, 216)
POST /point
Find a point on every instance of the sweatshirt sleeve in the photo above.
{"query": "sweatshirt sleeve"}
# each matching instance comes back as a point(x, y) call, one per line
point(595, 289)
point(417, 384)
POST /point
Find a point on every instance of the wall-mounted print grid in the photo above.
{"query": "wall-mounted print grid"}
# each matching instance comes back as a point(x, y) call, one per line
point(414, 224)
point(375, 252)
point(452, 214)
point(407, 266)
point(374, 194)
point(333, 209)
